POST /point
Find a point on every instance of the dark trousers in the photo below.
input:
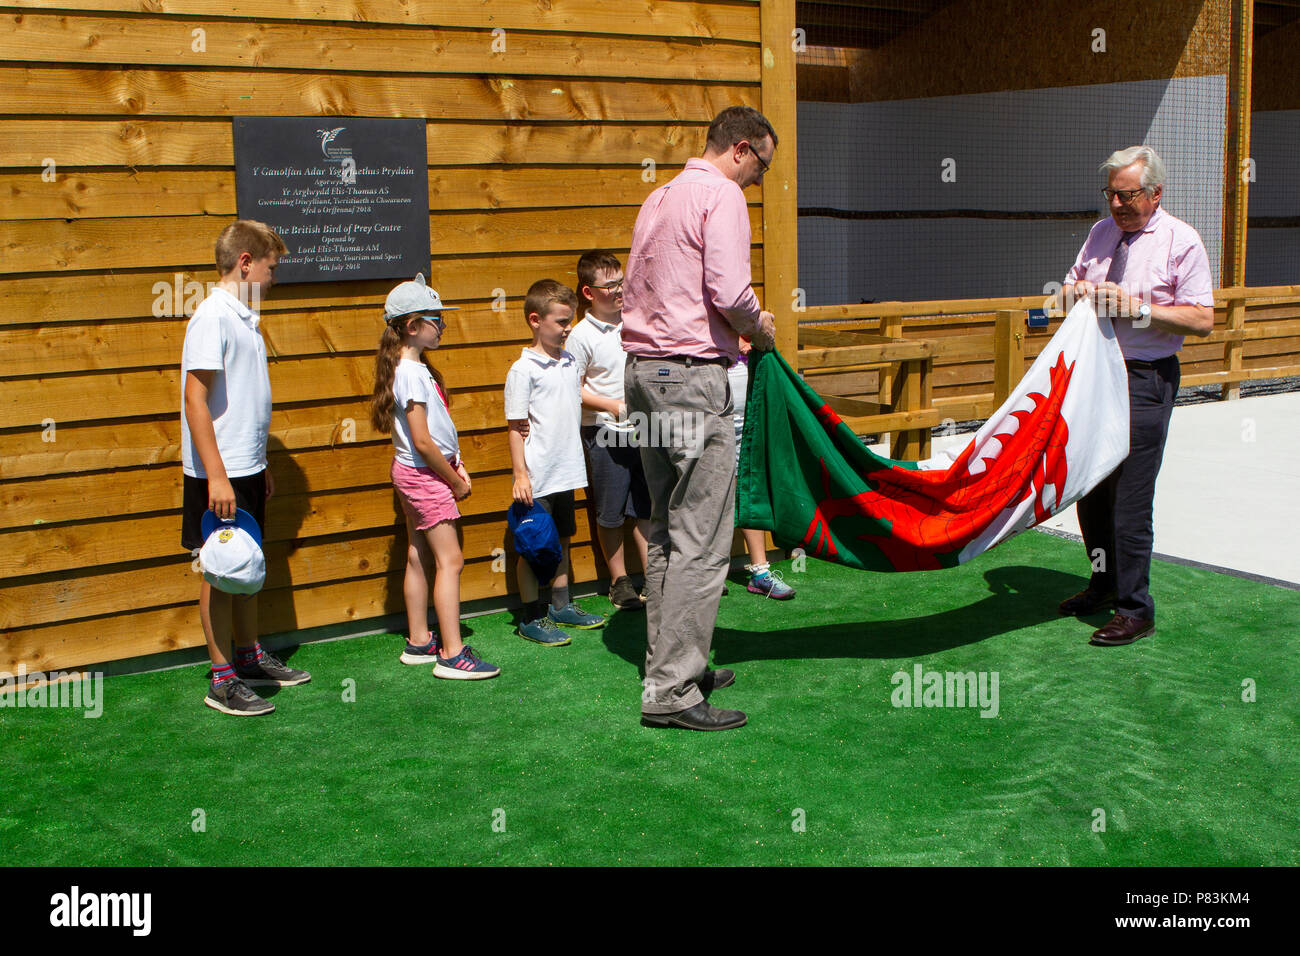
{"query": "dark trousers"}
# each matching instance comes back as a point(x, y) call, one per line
point(1115, 517)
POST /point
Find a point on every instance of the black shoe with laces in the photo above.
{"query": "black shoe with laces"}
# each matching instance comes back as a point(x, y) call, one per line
point(624, 597)
point(271, 672)
point(235, 697)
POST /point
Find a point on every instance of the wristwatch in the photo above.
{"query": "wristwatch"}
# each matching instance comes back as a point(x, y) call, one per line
point(1144, 310)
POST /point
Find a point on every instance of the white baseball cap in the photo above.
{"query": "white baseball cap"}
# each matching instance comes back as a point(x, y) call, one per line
point(231, 556)
point(414, 296)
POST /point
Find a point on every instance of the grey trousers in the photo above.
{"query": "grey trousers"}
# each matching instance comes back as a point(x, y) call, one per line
point(688, 450)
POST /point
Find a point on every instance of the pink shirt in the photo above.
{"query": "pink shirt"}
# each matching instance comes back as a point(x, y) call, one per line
point(1167, 265)
point(688, 288)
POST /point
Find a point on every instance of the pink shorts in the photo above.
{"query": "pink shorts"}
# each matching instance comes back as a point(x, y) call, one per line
point(426, 498)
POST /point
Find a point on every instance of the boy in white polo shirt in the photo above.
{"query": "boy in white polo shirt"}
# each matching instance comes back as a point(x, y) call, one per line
point(225, 420)
point(618, 486)
point(543, 405)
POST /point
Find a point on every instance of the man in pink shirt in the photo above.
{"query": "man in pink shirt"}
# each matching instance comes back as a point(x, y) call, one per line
point(687, 299)
point(1150, 273)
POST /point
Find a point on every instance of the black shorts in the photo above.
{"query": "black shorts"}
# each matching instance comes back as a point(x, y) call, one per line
point(250, 494)
point(559, 505)
point(617, 488)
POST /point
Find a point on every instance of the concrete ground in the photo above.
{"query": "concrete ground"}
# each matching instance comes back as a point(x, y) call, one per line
point(1228, 494)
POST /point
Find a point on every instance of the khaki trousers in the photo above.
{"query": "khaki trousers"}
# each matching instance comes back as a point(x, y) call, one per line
point(688, 450)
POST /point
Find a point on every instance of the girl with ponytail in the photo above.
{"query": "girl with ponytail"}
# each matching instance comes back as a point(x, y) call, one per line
point(410, 402)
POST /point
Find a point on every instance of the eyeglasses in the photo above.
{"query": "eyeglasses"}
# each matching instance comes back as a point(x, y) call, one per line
point(1126, 196)
point(611, 286)
point(436, 320)
point(761, 162)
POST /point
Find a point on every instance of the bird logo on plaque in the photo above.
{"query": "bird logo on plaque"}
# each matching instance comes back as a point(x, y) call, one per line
point(328, 136)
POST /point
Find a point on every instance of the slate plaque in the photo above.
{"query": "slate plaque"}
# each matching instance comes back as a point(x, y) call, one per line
point(349, 195)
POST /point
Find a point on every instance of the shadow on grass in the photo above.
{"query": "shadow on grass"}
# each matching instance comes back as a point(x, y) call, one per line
point(1020, 597)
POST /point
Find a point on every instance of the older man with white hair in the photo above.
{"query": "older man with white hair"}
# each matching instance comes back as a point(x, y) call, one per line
point(1150, 273)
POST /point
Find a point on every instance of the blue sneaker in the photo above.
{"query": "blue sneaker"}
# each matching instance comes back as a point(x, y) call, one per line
point(573, 616)
point(763, 580)
point(543, 631)
point(464, 666)
point(422, 653)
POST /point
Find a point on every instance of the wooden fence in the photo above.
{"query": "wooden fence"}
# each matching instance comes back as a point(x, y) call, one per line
point(547, 125)
point(906, 367)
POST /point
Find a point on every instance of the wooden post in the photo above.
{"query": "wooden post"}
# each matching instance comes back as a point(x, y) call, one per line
point(891, 326)
point(780, 199)
point(1008, 352)
point(1233, 348)
point(1236, 184)
point(912, 393)
point(922, 437)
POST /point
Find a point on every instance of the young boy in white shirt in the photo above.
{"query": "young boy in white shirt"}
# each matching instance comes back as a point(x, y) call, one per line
point(617, 482)
point(543, 405)
point(225, 421)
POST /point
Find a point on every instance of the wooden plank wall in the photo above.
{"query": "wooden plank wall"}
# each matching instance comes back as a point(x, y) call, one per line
point(116, 169)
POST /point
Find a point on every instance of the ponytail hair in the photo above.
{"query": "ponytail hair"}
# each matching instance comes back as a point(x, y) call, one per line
point(382, 402)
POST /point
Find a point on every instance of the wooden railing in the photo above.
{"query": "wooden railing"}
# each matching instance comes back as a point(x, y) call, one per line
point(885, 376)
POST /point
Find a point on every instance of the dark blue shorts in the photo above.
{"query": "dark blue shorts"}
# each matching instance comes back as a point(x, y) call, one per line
point(617, 486)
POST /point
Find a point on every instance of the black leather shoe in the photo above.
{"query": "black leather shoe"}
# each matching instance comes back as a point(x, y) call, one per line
point(1087, 602)
point(716, 680)
point(699, 717)
point(1122, 629)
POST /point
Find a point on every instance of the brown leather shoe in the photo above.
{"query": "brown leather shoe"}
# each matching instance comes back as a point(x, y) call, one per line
point(1122, 629)
point(1087, 602)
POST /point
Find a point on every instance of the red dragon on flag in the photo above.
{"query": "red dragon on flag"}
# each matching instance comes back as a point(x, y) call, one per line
point(807, 478)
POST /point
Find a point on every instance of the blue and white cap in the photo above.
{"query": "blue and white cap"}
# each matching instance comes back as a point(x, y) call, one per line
point(231, 556)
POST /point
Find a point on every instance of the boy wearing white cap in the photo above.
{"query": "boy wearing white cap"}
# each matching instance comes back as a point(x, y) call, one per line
point(225, 420)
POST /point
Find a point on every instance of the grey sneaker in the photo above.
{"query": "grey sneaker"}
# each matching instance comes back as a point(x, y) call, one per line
point(270, 672)
point(624, 597)
point(573, 616)
point(543, 631)
point(235, 697)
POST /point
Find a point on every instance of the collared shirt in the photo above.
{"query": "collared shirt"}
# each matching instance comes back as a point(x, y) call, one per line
point(222, 337)
point(688, 271)
point(545, 391)
point(1167, 265)
point(598, 349)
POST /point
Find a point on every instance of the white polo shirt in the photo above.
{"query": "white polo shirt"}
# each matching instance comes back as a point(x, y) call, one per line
point(546, 392)
point(598, 349)
point(222, 337)
point(413, 382)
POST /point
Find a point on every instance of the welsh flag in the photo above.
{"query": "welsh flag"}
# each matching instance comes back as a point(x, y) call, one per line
point(809, 480)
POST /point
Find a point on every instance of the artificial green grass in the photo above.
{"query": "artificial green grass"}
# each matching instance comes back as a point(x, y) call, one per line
point(547, 764)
